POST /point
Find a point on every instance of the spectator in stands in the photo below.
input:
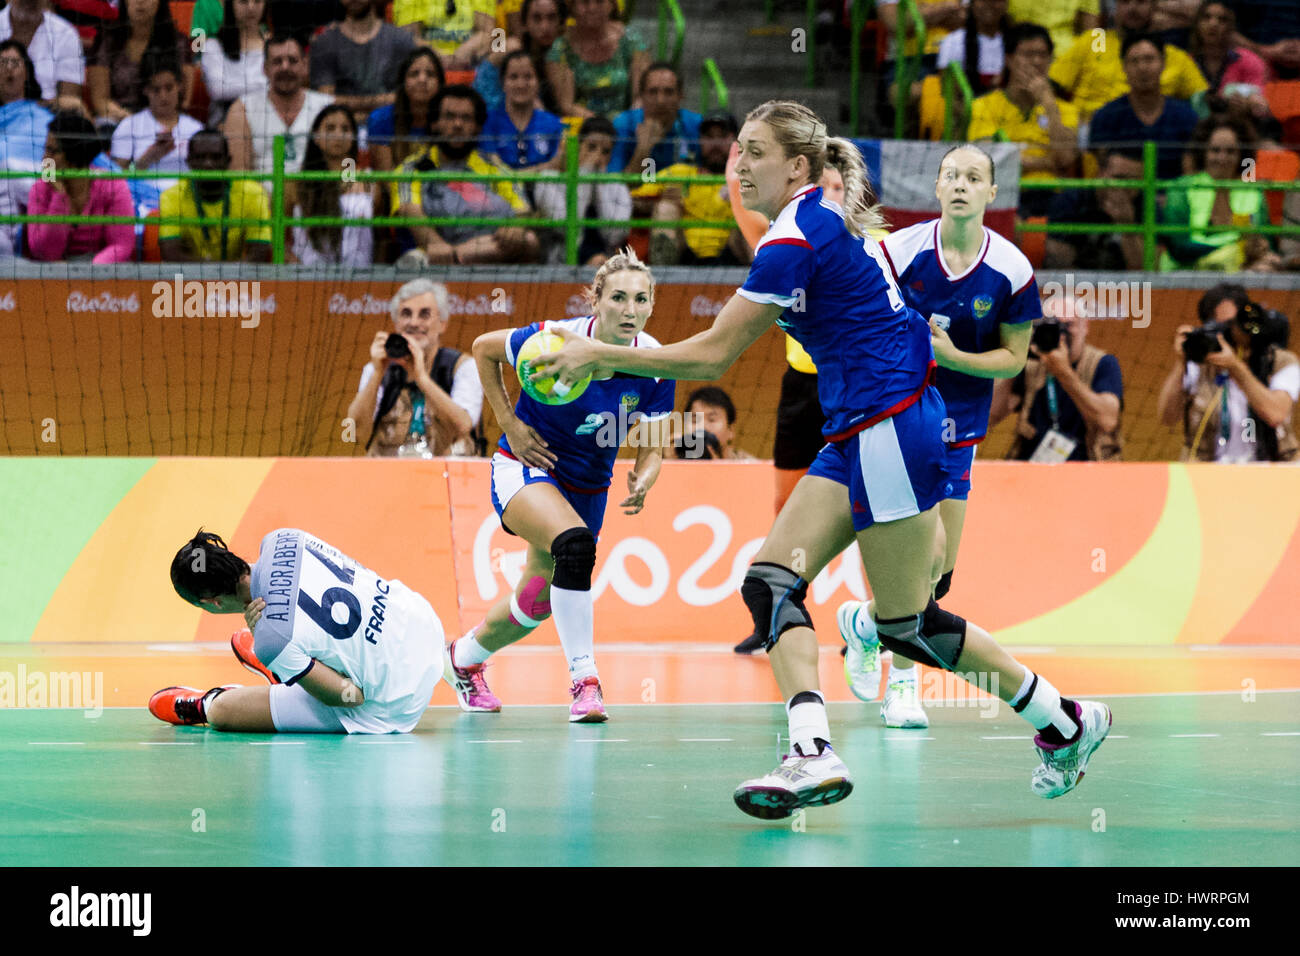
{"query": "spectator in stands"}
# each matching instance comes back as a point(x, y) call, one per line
point(216, 199)
point(115, 76)
point(1220, 149)
point(333, 141)
point(1063, 19)
point(1172, 21)
point(158, 136)
point(542, 21)
point(286, 107)
point(1289, 246)
point(460, 115)
point(711, 409)
point(71, 144)
point(427, 401)
point(88, 17)
point(1069, 400)
point(659, 130)
point(1236, 75)
point(396, 131)
point(597, 63)
point(1237, 404)
point(54, 48)
point(1111, 206)
point(723, 245)
point(520, 135)
point(1028, 111)
point(595, 200)
point(940, 18)
point(356, 60)
point(234, 58)
point(1144, 112)
point(24, 124)
point(979, 46)
point(1092, 72)
point(460, 33)
point(1271, 29)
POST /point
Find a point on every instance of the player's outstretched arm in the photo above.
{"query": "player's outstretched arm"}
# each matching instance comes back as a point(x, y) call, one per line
point(702, 357)
point(649, 439)
point(330, 687)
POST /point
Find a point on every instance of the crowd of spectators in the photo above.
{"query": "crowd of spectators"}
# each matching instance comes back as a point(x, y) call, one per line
point(491, 88)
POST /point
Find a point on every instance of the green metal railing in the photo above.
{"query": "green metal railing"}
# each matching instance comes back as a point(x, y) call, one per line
point(907, 67)
point(669, 9)
point(711, 82)
point(810, 41)
point(572, 224)
point(1149, 228)
point(857, 20)
point(954, 83)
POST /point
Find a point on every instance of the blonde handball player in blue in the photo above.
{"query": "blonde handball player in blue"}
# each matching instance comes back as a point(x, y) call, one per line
point(551, 476)
point(880, 477)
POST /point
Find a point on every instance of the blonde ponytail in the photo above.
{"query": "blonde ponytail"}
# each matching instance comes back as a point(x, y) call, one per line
point(861, 211)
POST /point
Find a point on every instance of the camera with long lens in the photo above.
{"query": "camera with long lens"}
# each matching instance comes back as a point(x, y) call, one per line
point(1047, 336)
point(1199, 343)
point(396, 346)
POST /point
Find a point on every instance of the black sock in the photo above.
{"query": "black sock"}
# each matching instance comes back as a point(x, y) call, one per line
point(1053, 736)
point(207, 699)
point(821, 747)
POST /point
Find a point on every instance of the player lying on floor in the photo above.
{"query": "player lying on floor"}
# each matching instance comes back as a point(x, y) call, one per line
point(373, 672)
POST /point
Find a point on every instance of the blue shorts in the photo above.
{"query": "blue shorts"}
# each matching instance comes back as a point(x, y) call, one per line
point(959, 464)
point(510, 476)
point(894, 469)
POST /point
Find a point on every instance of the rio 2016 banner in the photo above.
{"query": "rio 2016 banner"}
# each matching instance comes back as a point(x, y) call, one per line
point(1068, 555)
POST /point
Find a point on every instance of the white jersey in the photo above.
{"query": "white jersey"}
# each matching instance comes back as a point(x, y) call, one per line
point(265, 123)
point(323, 606)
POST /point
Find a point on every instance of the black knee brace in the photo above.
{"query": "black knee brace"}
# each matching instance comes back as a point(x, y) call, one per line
point(944, 585)
point(574, 553)
point(774, 596)
point(932, 637)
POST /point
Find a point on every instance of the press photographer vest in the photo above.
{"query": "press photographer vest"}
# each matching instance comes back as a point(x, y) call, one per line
point(1102, 446)
point(395, 429)
point(1205, 407)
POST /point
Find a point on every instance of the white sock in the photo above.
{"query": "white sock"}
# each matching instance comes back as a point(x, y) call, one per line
point(807, 723)
point(468, 651)
point(573, 620)
point(1025, 685)
point(1042, 708)
point(901, 675)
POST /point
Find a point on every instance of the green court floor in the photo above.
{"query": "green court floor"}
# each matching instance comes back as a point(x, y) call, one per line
point(1184, 780)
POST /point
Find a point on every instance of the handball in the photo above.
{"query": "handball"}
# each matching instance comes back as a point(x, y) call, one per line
point(548, 391)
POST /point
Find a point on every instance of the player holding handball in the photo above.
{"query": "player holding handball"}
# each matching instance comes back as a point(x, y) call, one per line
point(550, 480)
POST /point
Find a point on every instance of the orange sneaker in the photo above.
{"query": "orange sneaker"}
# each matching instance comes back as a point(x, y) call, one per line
point(183, 706)
point(241, 642)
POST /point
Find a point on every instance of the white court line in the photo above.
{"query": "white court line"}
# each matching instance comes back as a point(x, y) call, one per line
point(704, 740)
point(601, 740)
point(906, 737)
point(1007, 738)
point(1194, 735)
point(168, 743)
point(494, 741)
point(56, 743)
point(1287, 733)
point(277, 743)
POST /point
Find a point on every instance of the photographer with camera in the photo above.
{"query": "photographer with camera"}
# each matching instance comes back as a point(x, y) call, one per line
point(1069, 396)
point(417, 398)
point(1233, 384)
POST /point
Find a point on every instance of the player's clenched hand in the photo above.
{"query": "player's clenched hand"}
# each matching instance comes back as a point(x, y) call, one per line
point(942, 344)
point(578, 358)
point(528, 446)
point(639, 486)
point(253, 612)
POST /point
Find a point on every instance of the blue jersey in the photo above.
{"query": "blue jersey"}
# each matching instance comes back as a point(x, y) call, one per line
point(585, 434)
point(872, 352)
point(998, 289)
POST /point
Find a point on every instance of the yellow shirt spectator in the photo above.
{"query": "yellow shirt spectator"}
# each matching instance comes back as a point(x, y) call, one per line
point(702, 202)
point(1092, 72)
point(994, 112)
point(442, 32)
point(1057, 16)
point(933, 34)
point(244, 200)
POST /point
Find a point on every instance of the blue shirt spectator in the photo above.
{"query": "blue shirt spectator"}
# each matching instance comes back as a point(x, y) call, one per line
point(536, 143)
point(661, 131)
point(1116, 125)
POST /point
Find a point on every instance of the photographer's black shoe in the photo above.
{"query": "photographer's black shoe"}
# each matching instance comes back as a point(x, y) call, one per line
point(750, 645)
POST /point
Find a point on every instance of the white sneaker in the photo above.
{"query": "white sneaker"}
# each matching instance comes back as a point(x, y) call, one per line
point(902, 708)
point(798, 782)
point(862, 660)
point(1062, 767)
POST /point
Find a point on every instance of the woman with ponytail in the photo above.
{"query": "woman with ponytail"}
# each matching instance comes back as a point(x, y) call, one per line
point(881, 475)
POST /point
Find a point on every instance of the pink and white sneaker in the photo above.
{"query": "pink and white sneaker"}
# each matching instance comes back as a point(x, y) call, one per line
point(471, 688)
point(588, 706)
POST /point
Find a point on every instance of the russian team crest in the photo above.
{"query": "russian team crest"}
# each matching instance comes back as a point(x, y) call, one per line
point(981, 305)
point(629, 401)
